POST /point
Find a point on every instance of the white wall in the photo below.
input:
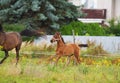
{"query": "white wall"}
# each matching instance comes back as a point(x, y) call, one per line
point(117, 8)
point(112, 6)
point(105, 4)
point(110, 44)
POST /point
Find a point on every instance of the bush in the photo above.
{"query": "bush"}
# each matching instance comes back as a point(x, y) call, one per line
point(114, 27)
point(14, 27)
point(80, 28)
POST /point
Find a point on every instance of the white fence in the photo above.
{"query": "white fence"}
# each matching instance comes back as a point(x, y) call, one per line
point(110, 44)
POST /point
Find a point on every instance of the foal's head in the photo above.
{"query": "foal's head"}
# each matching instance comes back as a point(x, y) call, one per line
point(57, 37)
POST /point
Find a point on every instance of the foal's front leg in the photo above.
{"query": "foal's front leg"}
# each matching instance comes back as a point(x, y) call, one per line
point(58, 57)
point(52, 57)
point(68, 60)
point(6, 55)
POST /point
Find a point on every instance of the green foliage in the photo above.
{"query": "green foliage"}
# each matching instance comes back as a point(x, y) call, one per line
point(48, 13)
point(114, 27)
point(14, 27)
point(80, 28)
point(17, 27)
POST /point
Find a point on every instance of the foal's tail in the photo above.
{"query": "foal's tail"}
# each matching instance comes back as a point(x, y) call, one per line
point(83, 45)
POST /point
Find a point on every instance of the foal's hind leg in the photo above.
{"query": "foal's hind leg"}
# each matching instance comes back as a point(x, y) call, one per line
point(77, 58)
point(6, 55)
point(76, 54)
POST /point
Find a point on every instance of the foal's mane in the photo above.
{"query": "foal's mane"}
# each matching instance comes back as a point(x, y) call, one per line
point(62, 39)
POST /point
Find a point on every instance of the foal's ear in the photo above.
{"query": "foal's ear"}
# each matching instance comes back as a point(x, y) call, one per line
point(57, 33)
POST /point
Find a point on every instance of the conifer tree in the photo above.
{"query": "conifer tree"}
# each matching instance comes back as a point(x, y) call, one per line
point(38, 13)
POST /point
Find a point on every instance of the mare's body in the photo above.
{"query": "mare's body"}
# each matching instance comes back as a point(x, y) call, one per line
point(9, 41)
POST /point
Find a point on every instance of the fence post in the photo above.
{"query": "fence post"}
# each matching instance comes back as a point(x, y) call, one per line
point(73, 36)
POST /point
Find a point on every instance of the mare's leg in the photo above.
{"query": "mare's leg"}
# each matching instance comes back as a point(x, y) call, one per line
point(6, 55)
point(17, 54)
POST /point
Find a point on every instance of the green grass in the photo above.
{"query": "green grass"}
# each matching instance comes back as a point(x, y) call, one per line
point(36, 68)
point(40, 70)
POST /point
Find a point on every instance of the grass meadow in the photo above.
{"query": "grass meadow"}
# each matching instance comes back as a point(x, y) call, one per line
point(36, 68)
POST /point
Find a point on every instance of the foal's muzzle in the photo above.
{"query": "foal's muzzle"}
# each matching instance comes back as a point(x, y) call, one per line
point(51, 41)
point(54, 40)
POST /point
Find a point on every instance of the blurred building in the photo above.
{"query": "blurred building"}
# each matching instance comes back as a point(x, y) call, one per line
point(112, 6)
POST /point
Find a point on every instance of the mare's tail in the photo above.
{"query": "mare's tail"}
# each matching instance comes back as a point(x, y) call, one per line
point(83, 45)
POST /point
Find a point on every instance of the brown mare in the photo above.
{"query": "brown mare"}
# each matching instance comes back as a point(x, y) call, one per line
point(8, 41)
point(65, 49)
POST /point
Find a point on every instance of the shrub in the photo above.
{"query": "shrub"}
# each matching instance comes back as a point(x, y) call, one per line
point(14, 27)
point(80, 28)
point(114, 27)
